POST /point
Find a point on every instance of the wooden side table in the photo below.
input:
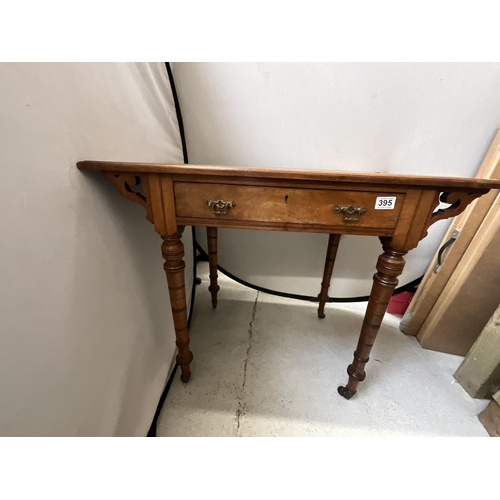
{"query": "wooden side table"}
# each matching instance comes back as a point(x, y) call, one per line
point(398, 209)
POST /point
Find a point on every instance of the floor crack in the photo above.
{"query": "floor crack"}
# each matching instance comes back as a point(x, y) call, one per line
point(240, 412)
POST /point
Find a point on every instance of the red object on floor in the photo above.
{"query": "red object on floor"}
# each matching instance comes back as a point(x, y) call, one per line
point(399, 303)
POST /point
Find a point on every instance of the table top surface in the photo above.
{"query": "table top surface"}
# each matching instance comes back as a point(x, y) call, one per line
point(292, 174)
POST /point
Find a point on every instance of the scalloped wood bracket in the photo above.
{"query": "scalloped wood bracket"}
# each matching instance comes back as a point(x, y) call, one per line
point(458, 202)
point(134, 187)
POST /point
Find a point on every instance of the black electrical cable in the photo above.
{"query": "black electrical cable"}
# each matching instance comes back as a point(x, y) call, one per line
point(177, 112)
point(409, 287)
point(152, 429)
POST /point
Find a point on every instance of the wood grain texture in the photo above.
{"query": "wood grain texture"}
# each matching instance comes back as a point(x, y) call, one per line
point(328, 176)
point(212, 262)
point(134, 188)
point(470, 295)
point(409, 212)
point(389, 266)
point(173, 253)
point(284, 226)
point(157, 208)
point(479, 373)
point(167, 189)
point(425, 206)
point(458, 202)
point(290, 183)
point(331, 254)
point(284, 205)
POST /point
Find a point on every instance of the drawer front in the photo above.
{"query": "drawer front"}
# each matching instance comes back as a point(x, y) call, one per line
point(282, 205)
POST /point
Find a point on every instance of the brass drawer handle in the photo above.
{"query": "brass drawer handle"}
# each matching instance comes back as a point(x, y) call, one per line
point(220, 207)
point(351, 213)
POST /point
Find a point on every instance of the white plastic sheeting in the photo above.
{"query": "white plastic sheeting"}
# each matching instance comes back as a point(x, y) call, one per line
point(407, 118)
point(86, 337)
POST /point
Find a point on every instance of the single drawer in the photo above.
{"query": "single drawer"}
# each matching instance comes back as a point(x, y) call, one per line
point(282, 205)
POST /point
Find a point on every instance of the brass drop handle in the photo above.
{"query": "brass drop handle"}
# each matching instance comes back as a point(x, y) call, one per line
point(351, 213)
point(220, 207)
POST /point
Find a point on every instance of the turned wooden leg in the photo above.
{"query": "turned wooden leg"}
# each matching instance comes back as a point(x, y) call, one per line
point(173, 251)
point(331, 253)
point(212, 260)
point(389, 266)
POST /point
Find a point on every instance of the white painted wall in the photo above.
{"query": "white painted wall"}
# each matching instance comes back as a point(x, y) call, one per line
point(408, 118)
point(86, 334)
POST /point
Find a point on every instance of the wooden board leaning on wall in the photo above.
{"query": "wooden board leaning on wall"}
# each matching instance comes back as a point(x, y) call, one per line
point(467, 224)
point(470, 296)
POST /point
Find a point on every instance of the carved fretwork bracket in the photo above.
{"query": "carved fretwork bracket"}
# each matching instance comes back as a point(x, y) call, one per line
point(458, 201)
point(133, 187)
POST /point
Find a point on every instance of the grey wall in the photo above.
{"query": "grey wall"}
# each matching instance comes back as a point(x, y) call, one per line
point(408, 118)
point(86, 334)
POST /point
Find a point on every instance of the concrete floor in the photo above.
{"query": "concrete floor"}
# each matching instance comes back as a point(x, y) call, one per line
point(267, 366)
